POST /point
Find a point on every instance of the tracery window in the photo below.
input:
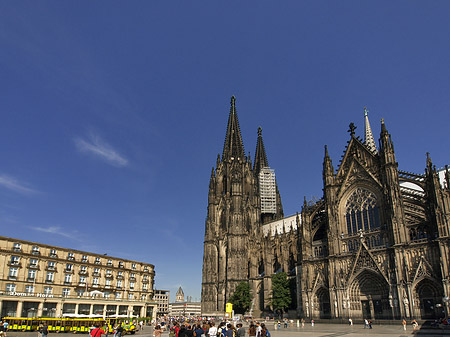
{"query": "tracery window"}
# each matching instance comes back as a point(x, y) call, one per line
point(361, 211)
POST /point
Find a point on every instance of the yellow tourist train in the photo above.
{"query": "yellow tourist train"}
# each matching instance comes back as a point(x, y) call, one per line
point(68, 324)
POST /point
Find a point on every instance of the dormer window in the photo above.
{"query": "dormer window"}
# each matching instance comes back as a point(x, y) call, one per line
point(133, 266)
point(35, 250)
point(70, 256)
point(53, 253)
point(17, 247)
point(84, 258)
point(109, 263)
point(97, 260)
point(120, 264)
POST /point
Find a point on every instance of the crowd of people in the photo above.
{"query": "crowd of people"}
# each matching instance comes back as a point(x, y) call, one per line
point(209, 329)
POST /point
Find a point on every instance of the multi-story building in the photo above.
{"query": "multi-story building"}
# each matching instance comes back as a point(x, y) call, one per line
point(182, 308)
point(41, 280)
point(376, 245)
point(162, 299)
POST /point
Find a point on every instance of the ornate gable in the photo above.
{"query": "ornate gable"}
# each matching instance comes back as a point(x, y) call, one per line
point(365, 260)
point(424, 269)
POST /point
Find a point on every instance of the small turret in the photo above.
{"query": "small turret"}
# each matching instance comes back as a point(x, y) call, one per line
point(328, 169)
point(386, 146)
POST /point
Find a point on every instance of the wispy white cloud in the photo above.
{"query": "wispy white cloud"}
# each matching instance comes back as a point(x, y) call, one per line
point(16, 186)
point(95, 146)
point(56, 230)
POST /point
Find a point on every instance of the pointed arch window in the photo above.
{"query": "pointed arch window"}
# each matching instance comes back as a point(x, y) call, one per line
point(361, 211)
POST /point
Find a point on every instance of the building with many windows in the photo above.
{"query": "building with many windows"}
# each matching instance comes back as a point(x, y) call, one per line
point(162, 299)
point(41, 280)
point(182, 308)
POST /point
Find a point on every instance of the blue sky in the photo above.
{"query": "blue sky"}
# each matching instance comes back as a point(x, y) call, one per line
point(113, 113)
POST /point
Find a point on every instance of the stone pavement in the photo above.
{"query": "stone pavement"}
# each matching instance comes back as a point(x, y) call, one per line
point(319, 330)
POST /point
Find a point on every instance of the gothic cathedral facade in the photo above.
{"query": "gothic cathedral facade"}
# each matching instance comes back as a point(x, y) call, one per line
point(375, 246)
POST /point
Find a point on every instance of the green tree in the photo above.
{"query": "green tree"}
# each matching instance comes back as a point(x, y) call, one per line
point(281, 293)
point(242, 298)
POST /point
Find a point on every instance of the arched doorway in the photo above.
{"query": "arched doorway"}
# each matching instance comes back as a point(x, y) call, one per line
point(369, 296)
point(429, 295)
point(323, 303)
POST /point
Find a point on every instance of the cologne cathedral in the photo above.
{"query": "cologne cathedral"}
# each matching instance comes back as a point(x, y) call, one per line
point(376, 245)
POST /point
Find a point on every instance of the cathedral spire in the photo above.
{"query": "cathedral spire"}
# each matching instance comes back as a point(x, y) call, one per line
point(260, 155)
point(368, 136)
point(233, 147)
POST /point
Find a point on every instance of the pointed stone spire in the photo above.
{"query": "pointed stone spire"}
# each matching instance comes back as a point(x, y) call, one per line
point(328, 169)
point(260, 155)
point(386, 145)
point(368, 136)
point(233, 147)
point(212, 180)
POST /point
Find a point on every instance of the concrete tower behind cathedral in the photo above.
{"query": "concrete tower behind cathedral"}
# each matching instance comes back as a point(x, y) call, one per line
point(236, 212)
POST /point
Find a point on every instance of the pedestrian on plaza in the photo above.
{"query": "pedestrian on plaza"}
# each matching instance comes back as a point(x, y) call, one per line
point(212, 332)
point(182, 331)
point(350, 321)
point(370, 324)
point(177, 329)
point(141, 324)
point(240, 332)
point(44, 330)
point(258, 329)
point(414, 324)
point(366, 323)
point(404, 324)
point(303, 323)
point(96, 332)
point(229, 332)
point(119, 330)
point(198, 331)
point(252, 330)
point(264, 331)
point(157, 331)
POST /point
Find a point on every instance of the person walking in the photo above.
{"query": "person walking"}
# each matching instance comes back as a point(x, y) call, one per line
point(212, 332)
point(404, 324)
point(44, 330)
point(97, 331)
point(240, 332)
point(252, 330)
point(158, 331)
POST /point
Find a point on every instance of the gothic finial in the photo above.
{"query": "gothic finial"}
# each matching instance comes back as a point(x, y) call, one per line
point(351, 129)
point(233, 101)
point(326, 151)
point(365, 111)
point(259, 131)
point(429, 163)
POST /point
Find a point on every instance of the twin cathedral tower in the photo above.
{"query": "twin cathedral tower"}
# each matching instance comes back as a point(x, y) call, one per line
point(376, 245)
